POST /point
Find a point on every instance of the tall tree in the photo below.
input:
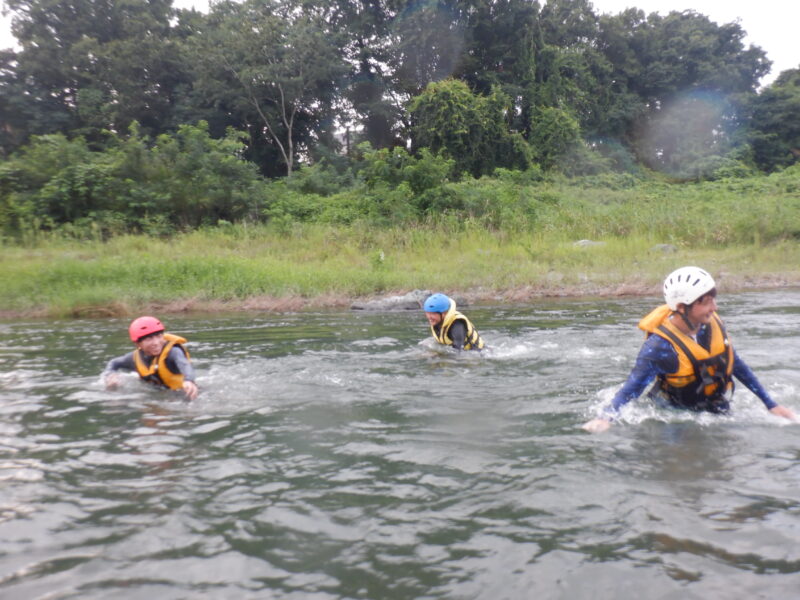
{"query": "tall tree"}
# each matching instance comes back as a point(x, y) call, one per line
point(660, 62)
point(89, 65)
point(277, 66)
point(471, 129)
point(374, 105)
point(775, 123)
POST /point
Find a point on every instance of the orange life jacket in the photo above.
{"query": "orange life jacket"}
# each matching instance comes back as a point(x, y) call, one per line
point(703, 374)
point(157, 371)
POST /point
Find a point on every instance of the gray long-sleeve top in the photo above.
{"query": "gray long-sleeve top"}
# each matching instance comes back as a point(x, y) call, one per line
point(176, 361)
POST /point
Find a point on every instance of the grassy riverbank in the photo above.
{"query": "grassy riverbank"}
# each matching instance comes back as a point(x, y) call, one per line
point(520, 245)
point(260, 269)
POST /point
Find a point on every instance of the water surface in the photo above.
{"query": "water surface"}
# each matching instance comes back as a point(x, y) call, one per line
point(335, 455)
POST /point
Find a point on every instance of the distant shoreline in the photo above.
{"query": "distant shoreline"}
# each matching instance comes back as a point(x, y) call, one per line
point(242, 269)
point(295, 303)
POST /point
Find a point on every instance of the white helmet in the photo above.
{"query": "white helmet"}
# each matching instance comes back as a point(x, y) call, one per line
point(685, 285)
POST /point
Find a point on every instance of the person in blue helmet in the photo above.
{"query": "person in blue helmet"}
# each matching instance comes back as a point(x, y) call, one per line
point(689, 354)
point(448, 326)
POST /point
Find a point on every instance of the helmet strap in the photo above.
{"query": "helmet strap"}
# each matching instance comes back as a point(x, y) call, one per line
point(685, 316)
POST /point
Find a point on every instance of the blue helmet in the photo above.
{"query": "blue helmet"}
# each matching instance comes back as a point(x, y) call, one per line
point(437, 303)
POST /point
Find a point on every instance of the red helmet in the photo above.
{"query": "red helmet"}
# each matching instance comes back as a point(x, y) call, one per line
point(144, 326)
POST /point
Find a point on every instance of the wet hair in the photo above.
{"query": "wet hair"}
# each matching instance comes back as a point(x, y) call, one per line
point(712, 292)
point(149, 335)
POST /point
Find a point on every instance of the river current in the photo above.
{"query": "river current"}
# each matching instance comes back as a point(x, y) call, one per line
point(339, 454)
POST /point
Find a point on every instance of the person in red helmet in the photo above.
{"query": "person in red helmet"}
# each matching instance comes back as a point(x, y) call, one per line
point(160, 358)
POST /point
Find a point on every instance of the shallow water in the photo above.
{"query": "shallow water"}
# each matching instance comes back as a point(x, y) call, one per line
point(335, 455)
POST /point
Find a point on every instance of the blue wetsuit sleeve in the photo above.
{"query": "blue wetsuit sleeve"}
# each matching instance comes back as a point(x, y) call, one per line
point(178, 363)
point(743, 373)
point(121, 363)
point(656, 357)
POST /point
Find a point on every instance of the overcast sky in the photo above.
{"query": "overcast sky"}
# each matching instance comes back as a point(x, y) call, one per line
point(770, 24)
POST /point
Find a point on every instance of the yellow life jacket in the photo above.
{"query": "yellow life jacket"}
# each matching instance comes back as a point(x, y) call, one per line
point(702, 374)
point(157, 371)
point(473, 341)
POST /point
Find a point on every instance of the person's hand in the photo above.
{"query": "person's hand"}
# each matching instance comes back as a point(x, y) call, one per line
point(190, 389)
point(598, 425)
point(782, 411)
point(112, 381)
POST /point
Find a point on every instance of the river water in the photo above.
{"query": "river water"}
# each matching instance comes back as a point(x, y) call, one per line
point(341, 455)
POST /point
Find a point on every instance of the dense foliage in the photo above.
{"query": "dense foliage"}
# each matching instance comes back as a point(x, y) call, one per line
point(131, 115)
point(502, 235)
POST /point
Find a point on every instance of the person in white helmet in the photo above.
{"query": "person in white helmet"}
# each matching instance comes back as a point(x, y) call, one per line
point(688, 352)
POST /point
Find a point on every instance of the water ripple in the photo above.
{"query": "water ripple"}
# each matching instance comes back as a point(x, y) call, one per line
point(334, 455)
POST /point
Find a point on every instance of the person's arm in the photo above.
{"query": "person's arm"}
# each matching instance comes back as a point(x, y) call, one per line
point(179, 363)
point(744, 373)
point(458, 333)
point(656, 357)
point(121, 363)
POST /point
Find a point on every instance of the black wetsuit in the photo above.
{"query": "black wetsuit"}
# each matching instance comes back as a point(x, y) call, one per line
point(457, 333)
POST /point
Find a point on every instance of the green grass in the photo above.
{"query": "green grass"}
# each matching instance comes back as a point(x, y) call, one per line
point(745, 232)
point(124, 275)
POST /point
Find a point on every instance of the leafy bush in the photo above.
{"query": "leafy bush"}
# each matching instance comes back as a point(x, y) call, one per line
point(321, 179)
point(469, 128)
point(182, 180)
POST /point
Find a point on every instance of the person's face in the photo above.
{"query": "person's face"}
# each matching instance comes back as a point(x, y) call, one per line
point(700, 312)
point(434, 318)
point(152, 345)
